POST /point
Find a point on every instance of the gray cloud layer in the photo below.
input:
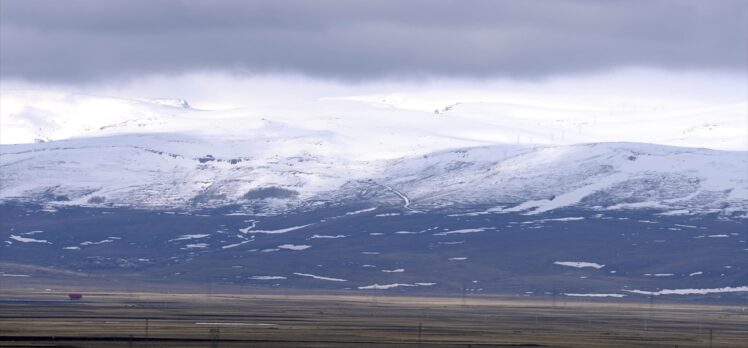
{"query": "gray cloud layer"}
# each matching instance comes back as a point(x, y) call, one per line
point(72, 41)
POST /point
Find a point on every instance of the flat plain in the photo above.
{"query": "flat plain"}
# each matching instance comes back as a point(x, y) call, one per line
point(106, 319)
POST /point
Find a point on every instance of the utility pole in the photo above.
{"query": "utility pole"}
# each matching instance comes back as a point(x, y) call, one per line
point(554, 298)
point(651, 305)
point(464, 295)
point(146, 332)
point(214, 334)
point(420, 333)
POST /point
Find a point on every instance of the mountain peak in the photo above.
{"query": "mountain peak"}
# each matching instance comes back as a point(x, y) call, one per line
point(174, 102)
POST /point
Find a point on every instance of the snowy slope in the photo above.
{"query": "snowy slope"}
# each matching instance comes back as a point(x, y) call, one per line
point(366, 128)
point(603, 176)
point(161, 153)
point(162, 170)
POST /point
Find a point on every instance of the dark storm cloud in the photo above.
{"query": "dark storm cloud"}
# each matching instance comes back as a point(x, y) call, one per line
point(95, 40)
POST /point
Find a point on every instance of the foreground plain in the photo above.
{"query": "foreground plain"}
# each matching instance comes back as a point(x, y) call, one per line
point(184, 320)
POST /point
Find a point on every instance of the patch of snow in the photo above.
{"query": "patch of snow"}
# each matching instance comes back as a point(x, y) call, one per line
point(235, 244)
point(462, 231)
point(321, 236)
point(71, 248)
point(406, 200)
point(28, 240)
point(196, 246)
point(294, 247)
point(103, 241)
point(384, 286)
point(677, 212)
point(659, 274)
point(574, 196)
point(250, 227)
point(594, 295)
point(397, 270)
point(361, 211)
point(494, 210)
point(267, 277)
point(392, 286)
point(554, 219)
point(571, 218)
point(189, 236)
point(279, 231)
point(457, 258)
point(706, 291)
point(579, 264)
point(686, 226)
point(320, 277)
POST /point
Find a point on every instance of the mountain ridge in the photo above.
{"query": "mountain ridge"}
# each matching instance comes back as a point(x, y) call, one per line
point(337, 195)
point(157, 174)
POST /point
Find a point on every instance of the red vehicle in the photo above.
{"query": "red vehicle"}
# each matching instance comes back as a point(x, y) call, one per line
point(75, 296)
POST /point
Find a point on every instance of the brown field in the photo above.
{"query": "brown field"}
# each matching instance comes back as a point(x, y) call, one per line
point(183, 320)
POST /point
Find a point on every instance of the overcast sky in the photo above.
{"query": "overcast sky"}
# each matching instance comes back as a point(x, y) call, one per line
point(75, 42)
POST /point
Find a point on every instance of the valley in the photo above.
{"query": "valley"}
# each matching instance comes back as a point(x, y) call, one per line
point(379, 250)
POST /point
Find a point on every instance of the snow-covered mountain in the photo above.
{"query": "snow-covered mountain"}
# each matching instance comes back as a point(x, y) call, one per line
point(370, 195)
point(163, 154)
point(370, 128)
